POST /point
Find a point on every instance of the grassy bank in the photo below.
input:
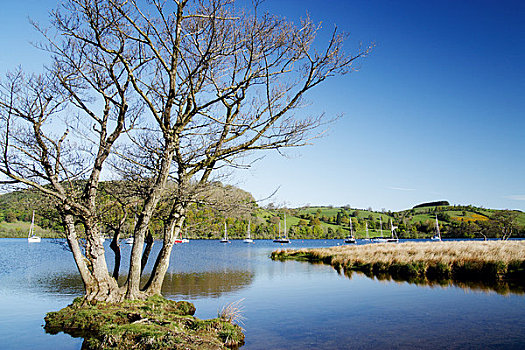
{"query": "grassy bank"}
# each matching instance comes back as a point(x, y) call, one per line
point(20, 229)
point(156, 323)
point(419, 261)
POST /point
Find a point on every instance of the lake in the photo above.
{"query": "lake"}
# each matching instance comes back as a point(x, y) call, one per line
point(287, 305)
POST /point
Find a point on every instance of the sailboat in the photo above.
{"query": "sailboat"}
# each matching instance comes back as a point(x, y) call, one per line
point(248, 238)
point(393, 238)
point(437, 236)
point(225, 238)
point(351, 238)
point(380, 239)
point(31, 237)
point(367, 236)
point(282, 239)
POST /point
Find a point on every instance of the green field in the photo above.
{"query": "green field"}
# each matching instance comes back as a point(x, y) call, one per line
point(20, 229)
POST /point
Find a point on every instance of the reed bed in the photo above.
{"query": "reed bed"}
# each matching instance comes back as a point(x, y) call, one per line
point(432, 260)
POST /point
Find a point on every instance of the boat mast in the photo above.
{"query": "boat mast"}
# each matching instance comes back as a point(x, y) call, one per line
point(392, 228)
point(381, 226)
point(284, 231)
point(249, 227)
point(437, 228)
point(225, 231)
point(351, 229)
point(32, 227)
point(366, 225)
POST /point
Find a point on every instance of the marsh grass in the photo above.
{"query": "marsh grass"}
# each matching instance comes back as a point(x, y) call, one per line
point(233, 313)
point(424, 261)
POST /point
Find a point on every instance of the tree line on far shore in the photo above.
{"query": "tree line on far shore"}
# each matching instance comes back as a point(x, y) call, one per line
point(206, 222)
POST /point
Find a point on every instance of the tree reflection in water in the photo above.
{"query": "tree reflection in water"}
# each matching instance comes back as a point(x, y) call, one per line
point(503, 287)
point(180, 285)
point(205, 284)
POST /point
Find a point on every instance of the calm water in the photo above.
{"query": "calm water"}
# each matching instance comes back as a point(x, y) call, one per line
point(287, 305)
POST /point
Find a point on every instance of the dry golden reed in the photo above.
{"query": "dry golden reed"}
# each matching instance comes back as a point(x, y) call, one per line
point(430, 253)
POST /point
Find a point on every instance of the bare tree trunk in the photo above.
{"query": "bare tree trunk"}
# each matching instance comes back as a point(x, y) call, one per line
point(72, 241)
point(103, 286)
point(154, 285)
point(135, 265)
point(98, 284)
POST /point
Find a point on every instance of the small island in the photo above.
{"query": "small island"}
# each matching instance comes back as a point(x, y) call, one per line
point(154, 323)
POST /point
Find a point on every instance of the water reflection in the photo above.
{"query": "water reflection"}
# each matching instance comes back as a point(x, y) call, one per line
point(62, 284)
point(205, 284)
point(178, 285)
point(503, 287)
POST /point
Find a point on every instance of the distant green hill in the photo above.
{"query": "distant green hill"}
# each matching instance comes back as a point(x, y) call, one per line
point(301, 223)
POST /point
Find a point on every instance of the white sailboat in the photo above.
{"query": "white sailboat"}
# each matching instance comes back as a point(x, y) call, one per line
point(437, 236)
point(393, 238)
point(225, 238)
point(381, 239)
point(248, 238)
point(351, 238)
point(282, 239)
point(31, 237)
point(367, 236)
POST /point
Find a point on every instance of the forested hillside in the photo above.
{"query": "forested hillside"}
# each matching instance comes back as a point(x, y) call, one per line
point(238, 209)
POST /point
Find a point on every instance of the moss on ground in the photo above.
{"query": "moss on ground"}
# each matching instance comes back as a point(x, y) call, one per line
point(155, 323)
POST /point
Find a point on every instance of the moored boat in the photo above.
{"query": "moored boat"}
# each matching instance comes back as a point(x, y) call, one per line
point(248, 238)
point(225, 238)
point(283, 238)
point(31, 237)
point(367, 239)
point(437, 236)
point(351, 238)
point(393, 238)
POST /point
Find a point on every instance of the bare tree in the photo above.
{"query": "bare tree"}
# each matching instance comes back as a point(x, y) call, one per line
point(504, 222)
point(171, 92)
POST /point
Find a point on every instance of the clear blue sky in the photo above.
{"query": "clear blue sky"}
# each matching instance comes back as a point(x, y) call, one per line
point(437, 112)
